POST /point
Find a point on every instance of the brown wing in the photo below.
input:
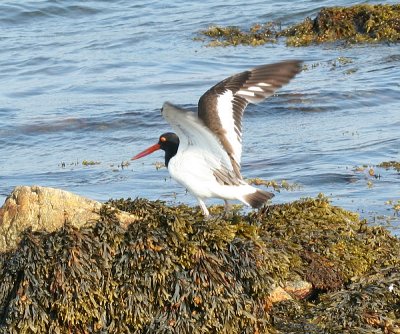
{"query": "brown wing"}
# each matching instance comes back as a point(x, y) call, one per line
point(221, 107)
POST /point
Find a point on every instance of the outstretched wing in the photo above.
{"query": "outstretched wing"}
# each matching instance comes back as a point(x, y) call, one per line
point(200, 145)
point(221, 107)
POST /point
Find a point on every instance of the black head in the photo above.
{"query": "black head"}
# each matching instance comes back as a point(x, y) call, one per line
point(168, 142)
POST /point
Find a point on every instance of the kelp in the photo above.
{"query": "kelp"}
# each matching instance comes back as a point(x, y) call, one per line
point(363, 23)
point(356, 24)
point(258, 34)
point(368, 305)
point(390, 164)
point(174, 272)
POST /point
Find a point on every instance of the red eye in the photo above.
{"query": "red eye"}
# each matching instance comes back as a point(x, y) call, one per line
point(163, 139)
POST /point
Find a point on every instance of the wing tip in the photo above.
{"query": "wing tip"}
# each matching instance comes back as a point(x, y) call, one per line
point(296, 63)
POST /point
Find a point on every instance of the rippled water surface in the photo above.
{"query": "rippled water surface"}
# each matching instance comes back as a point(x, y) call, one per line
point(85, 81)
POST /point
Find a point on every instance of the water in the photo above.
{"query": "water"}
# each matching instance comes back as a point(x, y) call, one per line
point(85, 81)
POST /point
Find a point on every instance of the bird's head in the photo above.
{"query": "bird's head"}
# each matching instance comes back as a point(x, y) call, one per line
point(168, 142)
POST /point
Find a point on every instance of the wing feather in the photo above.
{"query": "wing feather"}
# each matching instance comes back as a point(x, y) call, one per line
point(221, 108)
point(195, 137)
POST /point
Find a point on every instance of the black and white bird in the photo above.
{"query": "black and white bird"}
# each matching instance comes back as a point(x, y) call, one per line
point(204, 153)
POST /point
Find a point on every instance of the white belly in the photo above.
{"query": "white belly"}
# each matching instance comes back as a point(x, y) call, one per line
point(193, 172)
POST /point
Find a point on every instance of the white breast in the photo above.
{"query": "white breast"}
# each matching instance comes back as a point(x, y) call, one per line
point(190, 169)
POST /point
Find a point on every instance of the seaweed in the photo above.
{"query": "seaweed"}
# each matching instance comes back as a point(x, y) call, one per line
point(258, 34)
point(90, 162)
point(369, 305)
point(173, 272)
point(390, 164)
point(355, 24)
point(276, 185)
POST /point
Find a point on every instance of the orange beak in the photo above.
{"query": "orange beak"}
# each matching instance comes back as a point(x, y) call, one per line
point(151, 149)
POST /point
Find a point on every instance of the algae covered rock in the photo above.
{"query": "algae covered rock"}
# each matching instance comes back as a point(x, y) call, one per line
point(390, 164)
point(369, 305)
point(356, 24)
point(258, 34)
point(172, 272)
point(363, 23)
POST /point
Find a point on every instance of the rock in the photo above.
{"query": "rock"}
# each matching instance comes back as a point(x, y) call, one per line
point(291, 290)
point(42, 208)
point(298, 289)
point(277, 295)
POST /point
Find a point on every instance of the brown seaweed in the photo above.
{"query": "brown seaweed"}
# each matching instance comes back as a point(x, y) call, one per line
point(363, 23)
point(173, 272)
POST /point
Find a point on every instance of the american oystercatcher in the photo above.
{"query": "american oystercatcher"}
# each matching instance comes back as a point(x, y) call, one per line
point(204, 155)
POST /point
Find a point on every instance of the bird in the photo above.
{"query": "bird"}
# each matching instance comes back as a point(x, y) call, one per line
point(204, 152)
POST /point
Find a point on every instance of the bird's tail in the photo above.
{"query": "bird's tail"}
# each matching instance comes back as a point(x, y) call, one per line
point(257, 198)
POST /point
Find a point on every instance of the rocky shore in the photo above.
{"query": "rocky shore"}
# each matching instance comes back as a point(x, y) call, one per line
point(73, 265)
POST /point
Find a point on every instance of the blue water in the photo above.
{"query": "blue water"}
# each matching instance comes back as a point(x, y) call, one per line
point(85, 81)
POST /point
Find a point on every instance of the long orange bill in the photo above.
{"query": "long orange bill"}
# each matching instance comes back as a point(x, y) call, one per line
point(151, 149)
